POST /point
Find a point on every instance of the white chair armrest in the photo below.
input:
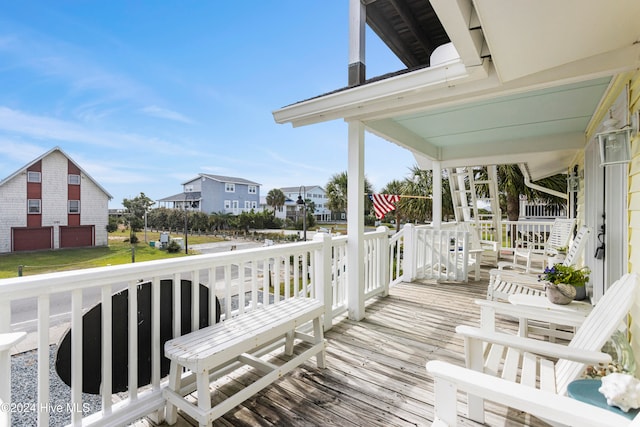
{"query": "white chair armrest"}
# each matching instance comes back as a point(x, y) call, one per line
point(489, 244)
point(542, 404)
point(531, 313)
point(541, 348)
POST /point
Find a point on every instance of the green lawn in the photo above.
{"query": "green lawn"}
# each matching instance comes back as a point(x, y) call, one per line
point(118, 252)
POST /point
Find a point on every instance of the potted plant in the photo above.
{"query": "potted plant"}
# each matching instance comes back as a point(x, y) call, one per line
point(563, 281)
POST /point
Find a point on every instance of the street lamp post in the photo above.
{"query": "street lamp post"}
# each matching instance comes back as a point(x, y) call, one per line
point(302, 195)
point(186, 224)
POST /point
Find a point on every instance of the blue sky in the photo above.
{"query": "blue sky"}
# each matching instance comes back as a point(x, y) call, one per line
point(144, 95)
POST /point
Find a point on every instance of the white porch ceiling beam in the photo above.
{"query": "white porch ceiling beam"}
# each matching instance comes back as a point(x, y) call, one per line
point(456, 17)
point(517, 146)
point(400, 135)
point(333, 105)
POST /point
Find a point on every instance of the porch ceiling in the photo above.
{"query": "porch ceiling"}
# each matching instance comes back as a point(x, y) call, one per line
point(544, 128)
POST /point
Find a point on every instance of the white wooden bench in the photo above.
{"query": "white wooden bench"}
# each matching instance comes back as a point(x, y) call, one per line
point(209, 351)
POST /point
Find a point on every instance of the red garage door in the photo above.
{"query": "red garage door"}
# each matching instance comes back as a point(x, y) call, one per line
point(32, 239)
point(73, 237)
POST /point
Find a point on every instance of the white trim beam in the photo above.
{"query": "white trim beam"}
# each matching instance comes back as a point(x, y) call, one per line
point(455, 16)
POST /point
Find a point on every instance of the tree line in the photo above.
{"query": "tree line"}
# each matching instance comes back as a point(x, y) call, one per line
point(418, 182)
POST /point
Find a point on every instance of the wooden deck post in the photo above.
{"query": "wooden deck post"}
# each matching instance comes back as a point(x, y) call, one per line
point(322, 277)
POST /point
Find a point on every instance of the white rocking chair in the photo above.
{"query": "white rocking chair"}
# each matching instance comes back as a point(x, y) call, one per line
point(503, 283)
point(558, 237)
point(544, 365)
point(448, 379)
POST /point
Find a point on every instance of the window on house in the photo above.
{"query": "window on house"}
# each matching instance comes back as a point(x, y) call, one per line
point(74, 180)
point(254, 205)
point(247, 205)
point(34, 176)
point(188, 188)
point(227, 204)
point(74, 206)
point(33, 206)
point(230, 187)
point(253, 189)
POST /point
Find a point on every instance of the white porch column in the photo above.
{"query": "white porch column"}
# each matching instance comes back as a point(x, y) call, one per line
point(355, 220)
point(437, 195)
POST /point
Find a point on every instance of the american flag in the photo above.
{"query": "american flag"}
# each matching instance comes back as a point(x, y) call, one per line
point(383, 203)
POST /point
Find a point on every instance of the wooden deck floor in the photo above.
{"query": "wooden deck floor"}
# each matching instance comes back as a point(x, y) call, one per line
point(375, 373)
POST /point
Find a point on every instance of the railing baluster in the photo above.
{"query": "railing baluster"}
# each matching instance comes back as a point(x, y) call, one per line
point(195, 300)
point(156, 349)
point(213, 292)
point(133, 340)
point(254, 284)
point(241, 287)
point(76, 356)
point(177, 305)
point(266, 279)
point(107, 346)
point(227, 286)
point(43, 360)
point(298, 262)
point(287, 274)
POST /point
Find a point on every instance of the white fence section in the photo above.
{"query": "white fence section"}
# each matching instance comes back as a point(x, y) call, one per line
point(531, 209)
point(534, 232)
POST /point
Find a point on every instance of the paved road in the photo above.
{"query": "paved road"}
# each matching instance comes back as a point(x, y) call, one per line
point(225, 246)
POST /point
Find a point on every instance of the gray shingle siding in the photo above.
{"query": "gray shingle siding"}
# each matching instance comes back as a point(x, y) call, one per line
point(214, 194)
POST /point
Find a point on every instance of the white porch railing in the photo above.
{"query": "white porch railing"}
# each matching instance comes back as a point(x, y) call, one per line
point(534, 232)
point(421, 252)
point(243, 280)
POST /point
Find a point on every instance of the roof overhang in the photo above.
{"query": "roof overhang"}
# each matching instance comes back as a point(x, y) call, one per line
point(531, 101)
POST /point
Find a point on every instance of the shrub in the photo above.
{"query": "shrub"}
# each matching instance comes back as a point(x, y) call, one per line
point(173, 247)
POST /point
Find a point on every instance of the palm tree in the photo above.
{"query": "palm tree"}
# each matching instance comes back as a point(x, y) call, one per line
point(220, 220)
point(337, 192)
point(511, 185)
point(276, 198)
point(418, 183)
point(395, 187)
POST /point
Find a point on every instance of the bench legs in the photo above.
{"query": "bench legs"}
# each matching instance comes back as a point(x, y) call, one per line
point(318, 335)
point(204, 413)
point(171, 414)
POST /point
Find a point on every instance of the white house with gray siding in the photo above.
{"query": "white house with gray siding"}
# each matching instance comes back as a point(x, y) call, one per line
point(316, 194)
point(215, 193)
point(52, 203)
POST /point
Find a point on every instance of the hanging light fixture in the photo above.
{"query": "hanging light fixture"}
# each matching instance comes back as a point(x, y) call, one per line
point(614, 144)
point(573, 180)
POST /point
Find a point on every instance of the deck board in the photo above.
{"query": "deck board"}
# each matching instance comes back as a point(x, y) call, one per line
point(375, 373)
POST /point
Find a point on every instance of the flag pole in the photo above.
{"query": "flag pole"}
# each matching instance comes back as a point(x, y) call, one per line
point(407, 196)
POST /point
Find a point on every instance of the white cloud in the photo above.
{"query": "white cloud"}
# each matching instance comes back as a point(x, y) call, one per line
point(164, 113)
